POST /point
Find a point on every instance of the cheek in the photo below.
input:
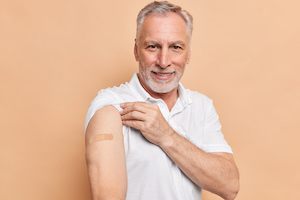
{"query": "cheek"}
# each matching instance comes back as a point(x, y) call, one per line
point(181, 61)
point(149, 60)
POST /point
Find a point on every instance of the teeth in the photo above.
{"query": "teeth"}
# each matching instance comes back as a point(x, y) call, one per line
point(163, 74)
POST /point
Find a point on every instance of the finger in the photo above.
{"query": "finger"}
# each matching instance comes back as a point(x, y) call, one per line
point(132, 106)
point(134, 115)
point(125, 104)
point(134, 124)
point(148, 105)
point(143, 106)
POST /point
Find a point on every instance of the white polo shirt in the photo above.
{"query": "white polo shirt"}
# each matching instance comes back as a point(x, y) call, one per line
point(151, 174)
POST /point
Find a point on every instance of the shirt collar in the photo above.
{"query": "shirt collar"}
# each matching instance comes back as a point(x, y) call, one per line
point(137, 88)
point(143, 95)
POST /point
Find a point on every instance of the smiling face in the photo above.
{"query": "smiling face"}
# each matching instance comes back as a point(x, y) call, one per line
point(162, 51)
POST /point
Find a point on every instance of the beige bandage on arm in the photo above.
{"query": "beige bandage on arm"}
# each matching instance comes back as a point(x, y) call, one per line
point(99, 137)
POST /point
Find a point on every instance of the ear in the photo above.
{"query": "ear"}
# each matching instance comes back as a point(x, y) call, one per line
point(136, 55)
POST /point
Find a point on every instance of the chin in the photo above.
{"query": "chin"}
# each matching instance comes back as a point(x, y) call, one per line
point(159, 86)
point(162, 87)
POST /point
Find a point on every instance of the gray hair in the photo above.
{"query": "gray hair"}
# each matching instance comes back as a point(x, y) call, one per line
point(163, 7)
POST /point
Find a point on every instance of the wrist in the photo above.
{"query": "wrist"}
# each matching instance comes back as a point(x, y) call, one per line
point(168, 140)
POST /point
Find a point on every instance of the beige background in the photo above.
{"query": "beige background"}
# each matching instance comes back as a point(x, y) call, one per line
point(55, 56)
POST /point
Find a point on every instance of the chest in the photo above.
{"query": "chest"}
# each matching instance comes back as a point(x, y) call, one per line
point(186, 123)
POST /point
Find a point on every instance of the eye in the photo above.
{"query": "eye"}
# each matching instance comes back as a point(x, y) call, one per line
point(152, 46)
point(176, 48)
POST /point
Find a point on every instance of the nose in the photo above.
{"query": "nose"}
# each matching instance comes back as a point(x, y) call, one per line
point(164, 58)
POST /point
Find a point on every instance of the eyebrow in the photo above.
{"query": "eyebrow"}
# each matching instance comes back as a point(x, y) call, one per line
point(150, 42)
point(169, 44)
point(177, 42)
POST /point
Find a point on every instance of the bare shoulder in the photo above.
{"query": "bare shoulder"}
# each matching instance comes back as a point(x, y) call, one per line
point(106, 119)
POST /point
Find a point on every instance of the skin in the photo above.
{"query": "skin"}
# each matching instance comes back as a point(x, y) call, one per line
point(162, 52)
point(157, 51)
point(106, 159)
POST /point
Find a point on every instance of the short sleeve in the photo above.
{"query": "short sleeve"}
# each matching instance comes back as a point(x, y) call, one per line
point(104, 98)
point(214, 140)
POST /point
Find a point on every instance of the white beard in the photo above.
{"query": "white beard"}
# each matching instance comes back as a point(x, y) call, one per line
point(159, 86)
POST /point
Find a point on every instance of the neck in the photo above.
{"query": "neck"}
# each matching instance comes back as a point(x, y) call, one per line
point(169, 98)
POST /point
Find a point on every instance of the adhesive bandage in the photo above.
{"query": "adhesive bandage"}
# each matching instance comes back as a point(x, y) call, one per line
point(99, 137)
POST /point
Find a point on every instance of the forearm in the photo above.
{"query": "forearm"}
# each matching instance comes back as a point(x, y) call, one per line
point(216, 172)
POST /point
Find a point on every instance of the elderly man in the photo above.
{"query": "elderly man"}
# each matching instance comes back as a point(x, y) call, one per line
point(151, 138)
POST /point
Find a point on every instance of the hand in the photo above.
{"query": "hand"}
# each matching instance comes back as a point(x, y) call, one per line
point(147, 118)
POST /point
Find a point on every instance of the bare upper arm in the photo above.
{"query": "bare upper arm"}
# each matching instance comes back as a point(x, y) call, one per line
point(106, 158)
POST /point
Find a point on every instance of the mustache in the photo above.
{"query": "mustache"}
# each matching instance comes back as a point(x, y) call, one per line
point(163, 70)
